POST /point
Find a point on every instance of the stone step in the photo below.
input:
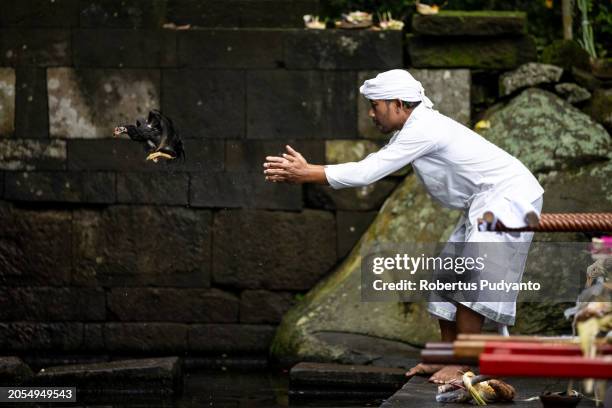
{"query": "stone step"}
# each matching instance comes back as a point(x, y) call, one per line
point(160, 376)
point(14, 371)
point(472, 23)
point(324, 375)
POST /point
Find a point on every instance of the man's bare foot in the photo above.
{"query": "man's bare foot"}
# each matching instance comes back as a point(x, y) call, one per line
point(424, 369)
point(448, 373)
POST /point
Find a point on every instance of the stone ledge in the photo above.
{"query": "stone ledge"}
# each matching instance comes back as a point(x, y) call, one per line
point(238, 338)
point(27, 154)
point(470, 23)
point(35, 47)
point(471, 52)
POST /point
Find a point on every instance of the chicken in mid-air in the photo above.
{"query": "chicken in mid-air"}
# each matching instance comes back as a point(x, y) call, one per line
point(157, 133)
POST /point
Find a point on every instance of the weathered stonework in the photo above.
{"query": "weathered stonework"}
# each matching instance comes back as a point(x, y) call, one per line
point(32, 154)
point(471, 52)
point(239, 338)
point(262, 306)
point(146, 337)
point(7, 101)
point(272, 250)
point(116, 247)
point(90, 103)
point(35, 47)
point(470, 23)
point(527, 75)
point(173, 305)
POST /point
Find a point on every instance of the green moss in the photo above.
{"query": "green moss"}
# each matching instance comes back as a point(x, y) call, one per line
point(481, 13)
point(566, 54)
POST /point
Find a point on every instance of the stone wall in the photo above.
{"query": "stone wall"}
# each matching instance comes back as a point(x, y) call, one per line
point(102, 252)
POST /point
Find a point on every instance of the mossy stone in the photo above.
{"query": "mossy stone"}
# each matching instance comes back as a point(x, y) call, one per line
point(566, 54)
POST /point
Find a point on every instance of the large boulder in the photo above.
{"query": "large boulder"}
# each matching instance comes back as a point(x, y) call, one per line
point(546, 133)
point(333, 324)
point(600, 107)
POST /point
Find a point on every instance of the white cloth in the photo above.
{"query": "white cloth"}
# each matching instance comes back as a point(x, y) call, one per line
point(458, 167)
point(395, 84)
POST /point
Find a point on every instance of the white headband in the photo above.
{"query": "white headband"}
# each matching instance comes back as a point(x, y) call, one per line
point(395, 84)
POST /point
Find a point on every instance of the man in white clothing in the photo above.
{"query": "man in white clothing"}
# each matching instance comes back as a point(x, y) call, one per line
point(458, 167)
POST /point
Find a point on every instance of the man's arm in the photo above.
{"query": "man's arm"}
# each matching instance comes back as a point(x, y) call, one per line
point(293, 168)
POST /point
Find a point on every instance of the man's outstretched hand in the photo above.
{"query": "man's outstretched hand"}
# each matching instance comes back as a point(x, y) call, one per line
point(292, 168)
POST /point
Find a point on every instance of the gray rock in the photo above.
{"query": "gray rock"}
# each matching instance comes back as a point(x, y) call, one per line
point(546, 133)
point(7, 101)
point(150, 375)
point(32, 154)
point(14, 371)
point(572, 92)
point(528, 75)
point(90, 103)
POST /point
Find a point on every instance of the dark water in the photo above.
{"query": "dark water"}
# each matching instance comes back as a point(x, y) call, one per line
point(233, 389)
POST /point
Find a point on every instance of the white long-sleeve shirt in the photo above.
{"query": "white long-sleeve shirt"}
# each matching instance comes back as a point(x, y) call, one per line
point(454, 163)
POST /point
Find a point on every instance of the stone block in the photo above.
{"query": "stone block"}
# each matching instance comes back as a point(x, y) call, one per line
point(35, 336)
point(40, 14)
point(7, 101)
point(149, 376)
point(470, 23)
point(323, 375)
point(118, 14)
point(1, 184)
point(301, 105)
point(38, 47)
point(31, 114)
point(173, 305)
point(93, 337)
point(167, 189)
point(14, 371)
point(351, 226)
point(35, 247)
point(242, 190)
point(471, 52)
point(235, 338)
point(241, 13)
point(263, 306)
point(32, 154)
point(117, 247)
point(89, 103)
point(146, 337)
point(363, 198)
point(127, 156)
point(249, 155)
point(70, 187)
point(272, 250)
point(204, 103)
point(52, 304)
point(343, 49)
point(124, 48)
point(231, 49)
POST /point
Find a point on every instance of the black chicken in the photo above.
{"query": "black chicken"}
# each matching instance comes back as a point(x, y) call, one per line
point(158, 134)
